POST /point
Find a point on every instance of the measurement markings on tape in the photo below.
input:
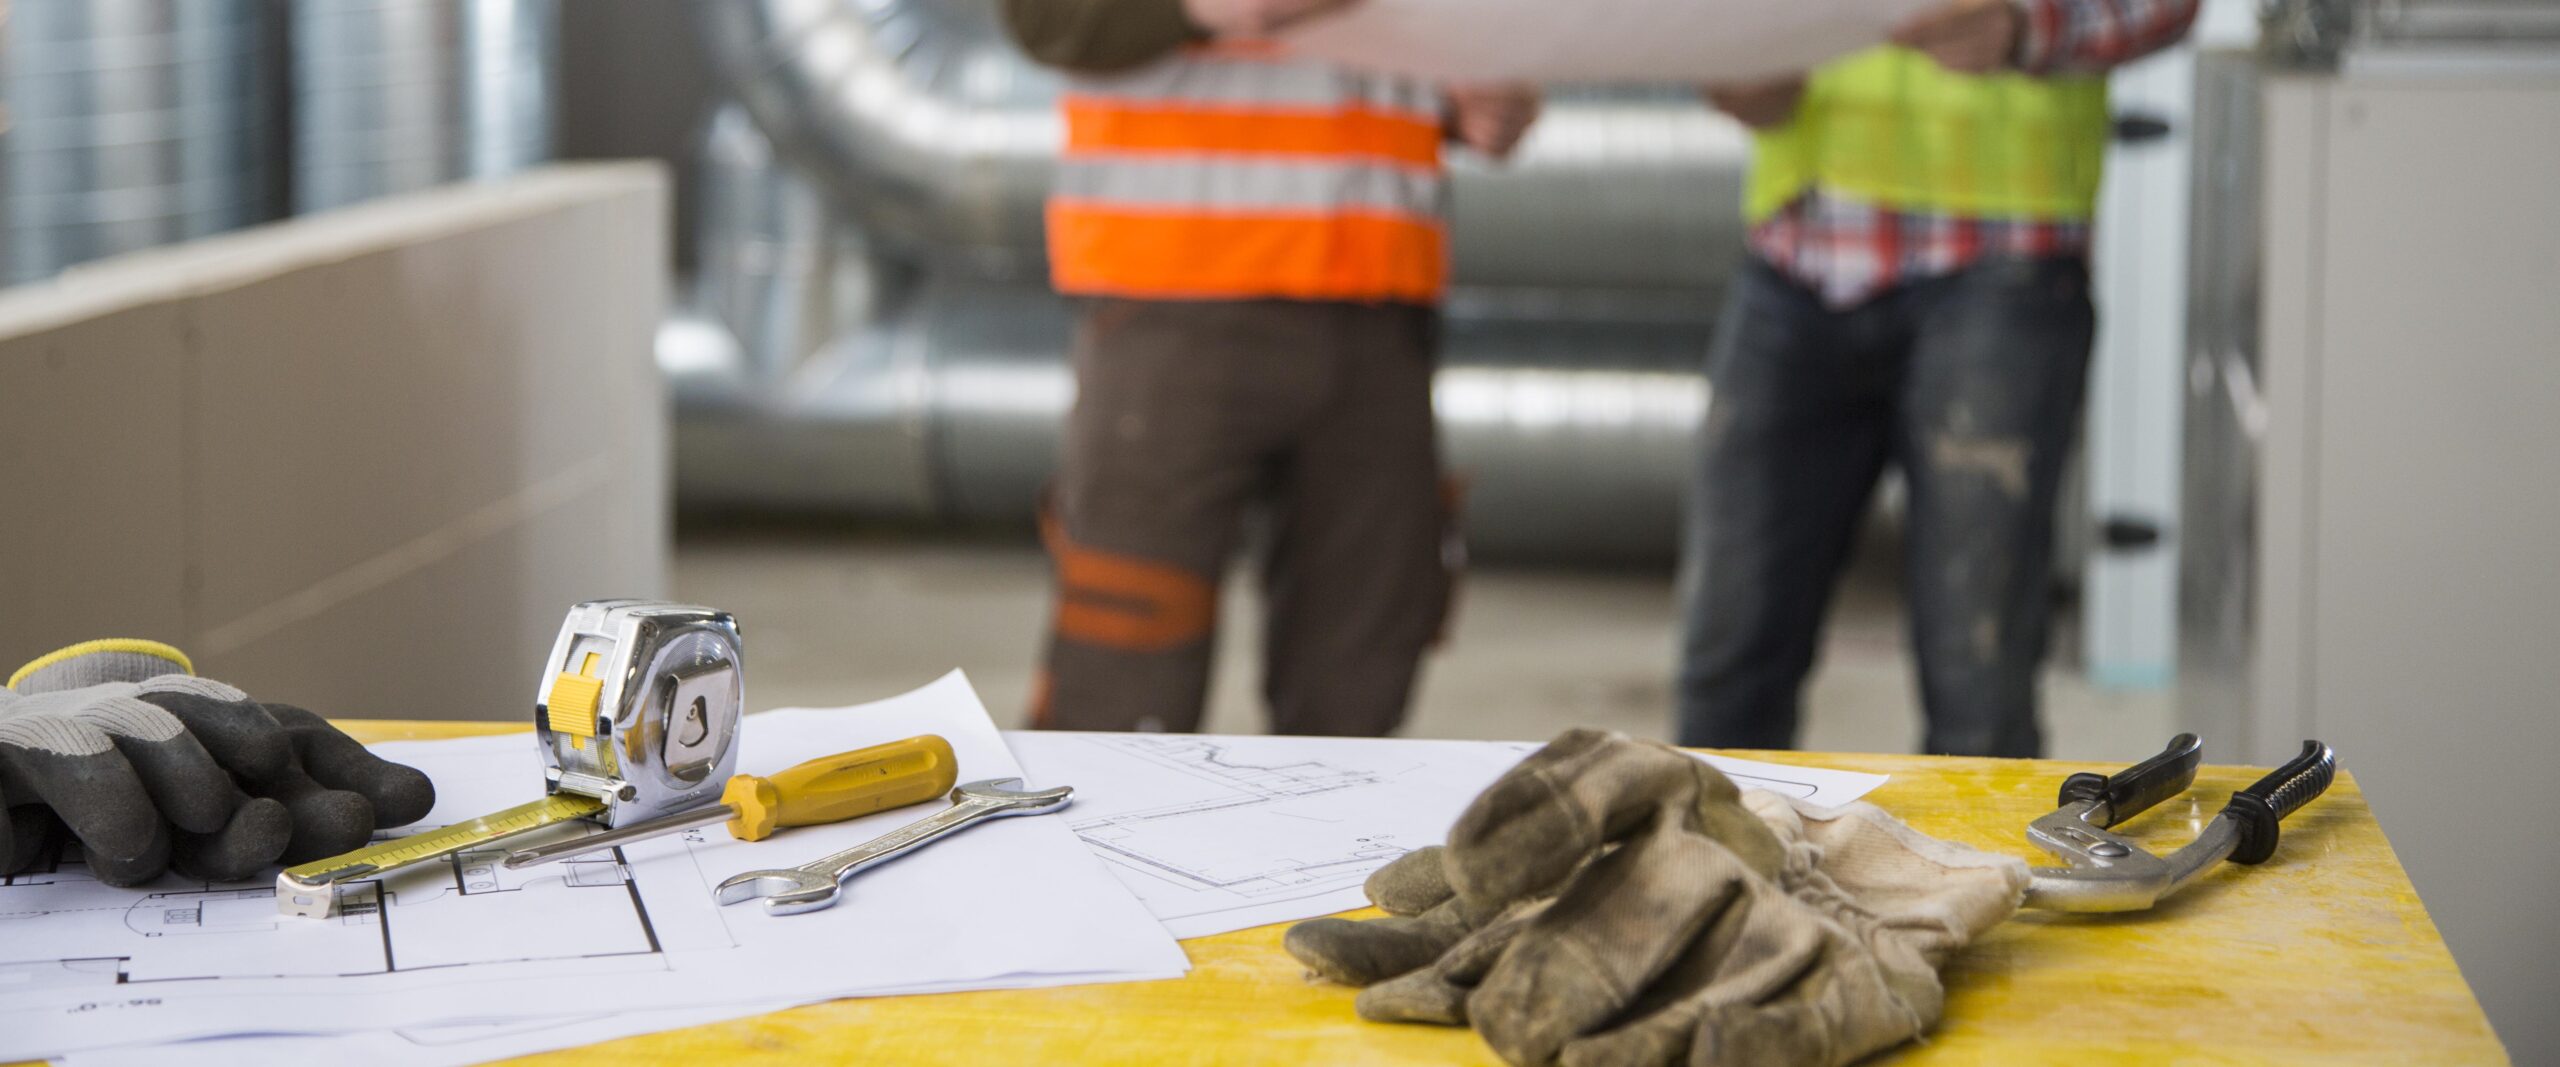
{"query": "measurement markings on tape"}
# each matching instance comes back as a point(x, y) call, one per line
point(308, 889)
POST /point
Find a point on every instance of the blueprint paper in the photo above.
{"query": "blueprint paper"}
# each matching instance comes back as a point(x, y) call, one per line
point(88, 966)
point(1819, 786)
point(468, 1043)
point(1685, 41)
point(424, 1046)
point(1224, 833)
point(1214, 833)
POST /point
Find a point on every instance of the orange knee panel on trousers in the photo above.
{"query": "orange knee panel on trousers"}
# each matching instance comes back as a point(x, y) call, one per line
point(1127, 603)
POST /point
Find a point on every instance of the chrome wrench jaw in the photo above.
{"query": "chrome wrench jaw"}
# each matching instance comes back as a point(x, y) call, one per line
point(773, 885)
point(2101, 871)
point(819, 883)
point(2106, 873)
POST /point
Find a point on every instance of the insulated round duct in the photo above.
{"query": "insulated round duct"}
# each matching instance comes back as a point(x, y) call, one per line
point(392, 96)
point(130, 124)
point(1574, 436)
point(933, 134)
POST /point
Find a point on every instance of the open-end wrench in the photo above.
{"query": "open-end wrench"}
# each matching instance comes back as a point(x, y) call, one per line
point(817, 883)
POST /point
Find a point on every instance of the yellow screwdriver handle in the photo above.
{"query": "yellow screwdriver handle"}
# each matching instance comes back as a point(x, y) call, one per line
point(842, 786)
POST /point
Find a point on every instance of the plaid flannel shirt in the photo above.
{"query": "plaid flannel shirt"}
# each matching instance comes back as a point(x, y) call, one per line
point(1849, 251)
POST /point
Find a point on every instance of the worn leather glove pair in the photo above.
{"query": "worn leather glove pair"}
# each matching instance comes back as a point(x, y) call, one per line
point(151, 767)
point(1612, 901)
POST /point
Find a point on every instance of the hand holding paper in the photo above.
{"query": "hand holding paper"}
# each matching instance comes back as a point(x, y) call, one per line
point(1967, 36)
point(1492, 118)
point(1758, 105)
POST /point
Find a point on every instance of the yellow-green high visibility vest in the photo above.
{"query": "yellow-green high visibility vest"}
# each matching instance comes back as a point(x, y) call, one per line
point(1892, 127)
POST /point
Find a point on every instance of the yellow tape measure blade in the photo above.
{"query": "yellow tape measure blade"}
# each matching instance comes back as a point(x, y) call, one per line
point(310, 889)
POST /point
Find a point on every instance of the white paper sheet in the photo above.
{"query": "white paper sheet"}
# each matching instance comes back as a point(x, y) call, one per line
point(1224, 833)
point(1213, 833)
point(468, 1043)
point(1684, 41)
point(421, 1046)
point(88, 966)
point(1821, 786)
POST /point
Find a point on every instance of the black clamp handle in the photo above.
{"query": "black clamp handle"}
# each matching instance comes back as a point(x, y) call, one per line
point(2135, 789)
point(2282, 792)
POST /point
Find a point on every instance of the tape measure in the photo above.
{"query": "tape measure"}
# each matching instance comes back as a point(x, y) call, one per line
point(637, 716)
point(310, 890)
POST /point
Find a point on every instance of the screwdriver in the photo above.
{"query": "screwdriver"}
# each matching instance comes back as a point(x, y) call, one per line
point(823, 790)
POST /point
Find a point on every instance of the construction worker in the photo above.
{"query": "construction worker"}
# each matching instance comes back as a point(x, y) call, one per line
point(1915, 292)
point(1259, 245)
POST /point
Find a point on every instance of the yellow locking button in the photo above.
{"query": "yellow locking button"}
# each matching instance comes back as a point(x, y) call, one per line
point(572, 706)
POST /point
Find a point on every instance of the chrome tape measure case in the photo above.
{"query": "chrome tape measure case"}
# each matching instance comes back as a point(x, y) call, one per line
point(637, 716)
point(640, 708)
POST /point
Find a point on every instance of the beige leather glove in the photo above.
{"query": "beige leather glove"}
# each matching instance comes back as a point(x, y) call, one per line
point(1612, 901)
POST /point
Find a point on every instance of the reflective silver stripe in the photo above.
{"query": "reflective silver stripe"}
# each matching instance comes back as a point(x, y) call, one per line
point(1209, 79)
point(1177, 183)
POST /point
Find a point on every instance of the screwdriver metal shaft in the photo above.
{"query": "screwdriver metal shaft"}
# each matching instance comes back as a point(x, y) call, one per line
point(824, 790)
point(580, 846)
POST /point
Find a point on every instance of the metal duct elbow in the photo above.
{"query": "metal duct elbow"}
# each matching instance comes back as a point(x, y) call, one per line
point(932, 134)
point(936, 137)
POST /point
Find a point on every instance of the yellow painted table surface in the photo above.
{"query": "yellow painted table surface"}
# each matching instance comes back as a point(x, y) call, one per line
point(2321, 955)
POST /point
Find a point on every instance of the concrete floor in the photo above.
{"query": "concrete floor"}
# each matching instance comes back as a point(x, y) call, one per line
point(835, 617)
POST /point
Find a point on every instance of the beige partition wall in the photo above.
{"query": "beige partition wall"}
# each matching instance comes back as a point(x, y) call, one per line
point(361, 461)
point(2409, 602)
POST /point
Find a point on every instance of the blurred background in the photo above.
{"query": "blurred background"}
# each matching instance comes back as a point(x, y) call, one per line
point(366, 451)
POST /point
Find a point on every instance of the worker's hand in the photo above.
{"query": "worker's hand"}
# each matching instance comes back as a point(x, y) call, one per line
point(1492, 118)
point(151, 767)
point(1619, 902)
point(1758, 105)
point(1255, 18)
point(1967, 36)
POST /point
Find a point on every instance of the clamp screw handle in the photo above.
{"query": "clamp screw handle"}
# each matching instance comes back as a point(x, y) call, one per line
point(2282, 792)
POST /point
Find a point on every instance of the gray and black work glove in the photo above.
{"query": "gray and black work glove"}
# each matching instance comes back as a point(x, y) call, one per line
point(151, 767)
point(1623, 903)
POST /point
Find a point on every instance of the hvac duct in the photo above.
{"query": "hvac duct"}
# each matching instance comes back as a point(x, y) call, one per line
point(392, 96)
point(1574, 437)
point(1589, 267)
point(131, 124)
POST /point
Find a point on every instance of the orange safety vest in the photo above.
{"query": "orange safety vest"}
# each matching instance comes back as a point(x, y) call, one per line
point(1232, 172)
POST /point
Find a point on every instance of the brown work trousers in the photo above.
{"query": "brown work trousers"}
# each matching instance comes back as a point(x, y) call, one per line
point(1188, 415)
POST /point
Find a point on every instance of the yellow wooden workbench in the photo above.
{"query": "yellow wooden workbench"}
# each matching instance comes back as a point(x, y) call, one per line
point(2322, 955)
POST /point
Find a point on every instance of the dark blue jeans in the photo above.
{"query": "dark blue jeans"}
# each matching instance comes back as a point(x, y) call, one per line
point(1971, 384)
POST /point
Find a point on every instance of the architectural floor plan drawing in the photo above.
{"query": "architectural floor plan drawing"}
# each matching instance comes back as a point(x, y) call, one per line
point(57, 928)
point(465, 943)
point(1222, 833)
point(1281, 821)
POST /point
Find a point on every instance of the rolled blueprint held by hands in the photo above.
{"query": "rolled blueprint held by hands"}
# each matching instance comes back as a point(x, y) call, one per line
point(1685, 41)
